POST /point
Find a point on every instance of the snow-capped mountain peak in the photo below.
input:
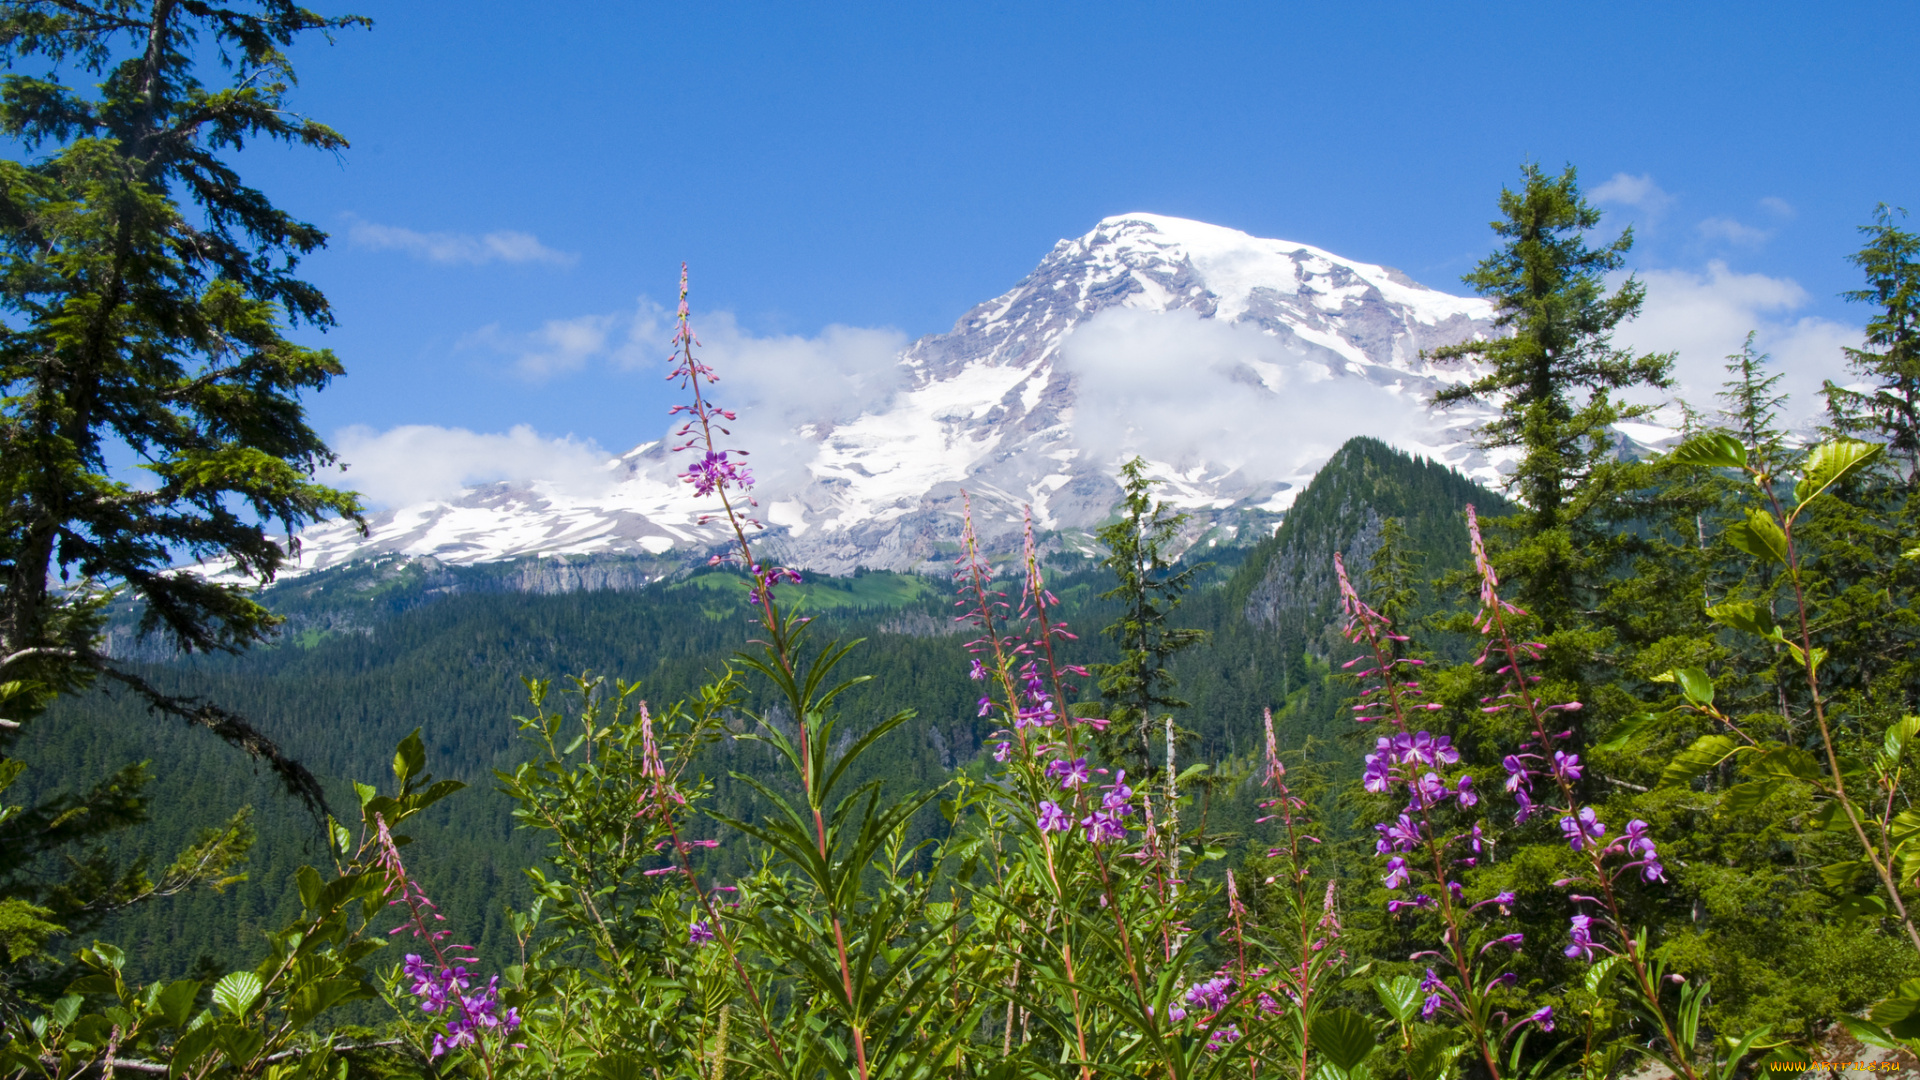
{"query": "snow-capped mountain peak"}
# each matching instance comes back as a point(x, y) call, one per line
point(1234, 364)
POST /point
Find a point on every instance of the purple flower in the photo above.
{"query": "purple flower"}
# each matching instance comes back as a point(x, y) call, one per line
point(1378, 776)
point(1566, 766)
point(1000, 751)
point(698, 933)
point(1526, 808)
point(1396, 872)
point(1511, 941)
point(1117, 795)
point(1071, 774)
point(1586, 828)
point(1054, 819)
point(977, 672)
point(1463, 791)
point(1543, 1017)
point(1401, 835)
point(1581, 935)
point(1103, 827)
point(1212, 994)
point(1223, 1037)
point(713, 472)
point(1518, 775)
point(1429, 790)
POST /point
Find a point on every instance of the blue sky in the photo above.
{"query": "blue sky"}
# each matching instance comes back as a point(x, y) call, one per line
point(521, 181)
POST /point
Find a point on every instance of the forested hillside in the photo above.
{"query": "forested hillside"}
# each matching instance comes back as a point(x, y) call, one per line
point(373, 651)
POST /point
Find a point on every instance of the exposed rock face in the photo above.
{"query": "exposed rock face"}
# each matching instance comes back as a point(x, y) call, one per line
point(998, 408)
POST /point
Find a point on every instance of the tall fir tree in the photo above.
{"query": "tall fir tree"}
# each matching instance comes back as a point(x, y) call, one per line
point(1137, 689)
point(145, 291)
point(1889, 409)
point(1552, 375)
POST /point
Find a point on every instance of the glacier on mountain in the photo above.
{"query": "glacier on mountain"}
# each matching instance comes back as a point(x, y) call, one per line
point(1235, 365)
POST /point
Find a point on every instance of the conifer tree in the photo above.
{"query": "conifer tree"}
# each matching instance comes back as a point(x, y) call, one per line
point(1553, 373)
point(146, 289)
point(1890, 409)
point(1138, 685)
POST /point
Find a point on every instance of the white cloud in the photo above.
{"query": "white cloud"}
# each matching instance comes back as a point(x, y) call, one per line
point(419, 462)
point(1732, 232)
point(558, 347)
point(1705, 317)
point(1636, 191)
point(1179, 389)
point(1777, 206)
point(505, 245)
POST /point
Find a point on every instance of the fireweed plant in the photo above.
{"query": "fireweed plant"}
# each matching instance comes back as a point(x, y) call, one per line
point(1431, 844)
point(1541, 776)
point(1111, 979)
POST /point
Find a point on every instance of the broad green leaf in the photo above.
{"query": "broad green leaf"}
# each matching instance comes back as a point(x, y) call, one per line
point(1759, 536)
point(1899, 1013)
point(1626, 730)
point(1861, 907)
point(1870, 1033)
point(1399, 996)
point(409, 759)
point(1715, 449)
point(1827, 464)
point(1695, 684)
point(1904, 826)
point(1707, 752)
point(176, 1001)
point(1744, 798)
point(1344, 1037)
point(1741, 615)
point(1781, 762)
point(1899, 735)
point(66, 1009)
point(237, 992)
point(1840, 876)
point(1598, 974)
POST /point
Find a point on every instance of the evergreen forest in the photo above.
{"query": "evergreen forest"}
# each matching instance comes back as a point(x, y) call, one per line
point(1606, 773)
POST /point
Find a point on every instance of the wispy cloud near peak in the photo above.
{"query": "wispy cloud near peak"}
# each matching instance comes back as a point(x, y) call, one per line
point(1639, 192)
point(446, 248)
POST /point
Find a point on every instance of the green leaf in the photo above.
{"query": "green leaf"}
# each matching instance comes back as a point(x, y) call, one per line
point(1741, 615)
point(1695, 684)
point(1899, 1013)
point(1870, 1033)
point(1344, 1037)
point(1707, 752)
point(1854, 908)
point(1626, 730)
point(1600, 972)
point(1745, 798)
point(1399, 996)
point(176, 1001)
point(1899, 735)
point(1713, 450)
point(1828, 464)
point(1781, 762)
point(1840, 876)
point(409, 759)
point(237, 992)
point(1760, 536)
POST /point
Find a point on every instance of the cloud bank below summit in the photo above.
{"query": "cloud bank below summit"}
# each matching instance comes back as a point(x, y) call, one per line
point(1171, 386)
point(1176, 388)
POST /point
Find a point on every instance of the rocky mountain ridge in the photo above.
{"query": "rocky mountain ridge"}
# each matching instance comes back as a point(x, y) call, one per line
point(1032, 400)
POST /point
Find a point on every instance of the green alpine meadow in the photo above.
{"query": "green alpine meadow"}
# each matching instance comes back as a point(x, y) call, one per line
point(1546, 723)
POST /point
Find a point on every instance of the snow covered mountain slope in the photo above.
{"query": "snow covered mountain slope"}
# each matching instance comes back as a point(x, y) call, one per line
point(1235, 365)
